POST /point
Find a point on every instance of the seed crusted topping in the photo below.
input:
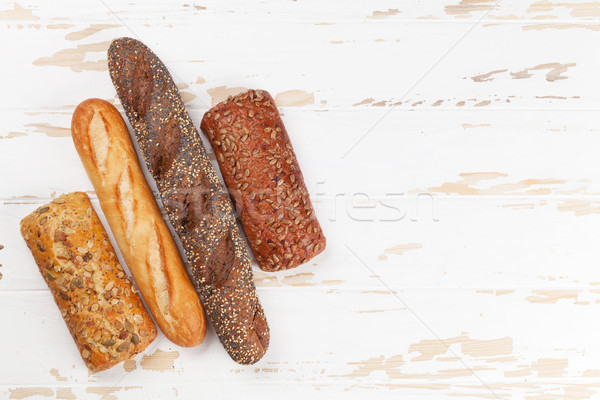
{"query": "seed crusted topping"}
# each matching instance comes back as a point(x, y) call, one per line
point(262, 173)
point(79, 265)
point(193, 196)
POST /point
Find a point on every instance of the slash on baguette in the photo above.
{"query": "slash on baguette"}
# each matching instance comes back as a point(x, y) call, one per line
point(106, 150)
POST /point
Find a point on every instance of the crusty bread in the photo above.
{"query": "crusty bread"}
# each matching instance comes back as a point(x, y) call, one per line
point(105, 316)
point(193, 197)
point(104, 145)
point(262, 174)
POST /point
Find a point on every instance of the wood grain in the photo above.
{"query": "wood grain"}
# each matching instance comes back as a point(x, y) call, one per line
point(474, 202)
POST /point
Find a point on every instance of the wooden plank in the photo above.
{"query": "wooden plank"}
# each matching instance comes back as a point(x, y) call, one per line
point(390, 72)
point(486, 153)
point(482, 244)
point(385, 349)
point(311, 10)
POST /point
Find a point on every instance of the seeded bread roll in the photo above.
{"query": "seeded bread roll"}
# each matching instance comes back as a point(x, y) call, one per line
point(105, 148)
point(96, 299)
point(195, 200)
point(262, 174)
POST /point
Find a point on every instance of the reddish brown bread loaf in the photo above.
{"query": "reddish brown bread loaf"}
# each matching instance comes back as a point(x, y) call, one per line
point(97, 300)
point(193, 197)
point(260, 169)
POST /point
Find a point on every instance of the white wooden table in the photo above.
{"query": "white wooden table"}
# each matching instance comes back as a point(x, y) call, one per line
point(451, 147)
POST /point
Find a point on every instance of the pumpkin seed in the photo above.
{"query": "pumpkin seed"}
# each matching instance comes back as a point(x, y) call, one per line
point(128, 326)
point(135, 339)
point(122, 347)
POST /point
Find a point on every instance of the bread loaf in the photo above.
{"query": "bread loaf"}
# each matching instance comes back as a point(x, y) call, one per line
point(94, 295)
point(262, 174)
point(194, 199)
point(105, 148)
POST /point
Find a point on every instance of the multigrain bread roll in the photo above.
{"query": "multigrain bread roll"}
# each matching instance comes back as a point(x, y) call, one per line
point(105, 148)
point(96, 299)
point(194, 199)
point(262, 174)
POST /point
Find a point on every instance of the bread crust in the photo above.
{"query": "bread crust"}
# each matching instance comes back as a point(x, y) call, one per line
point(261, 171)
point(107, 153)
point(98, 302)
point(194, 198)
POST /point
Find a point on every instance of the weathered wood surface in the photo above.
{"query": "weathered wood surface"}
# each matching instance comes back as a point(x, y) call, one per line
point(451, 151)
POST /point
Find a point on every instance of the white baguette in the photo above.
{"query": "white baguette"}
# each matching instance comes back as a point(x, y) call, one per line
point(105, 148)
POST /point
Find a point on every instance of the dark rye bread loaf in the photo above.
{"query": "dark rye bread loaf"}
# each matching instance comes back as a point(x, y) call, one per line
point(194, 198)
point(262, 173)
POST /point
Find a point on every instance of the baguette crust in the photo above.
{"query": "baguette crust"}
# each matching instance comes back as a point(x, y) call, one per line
point(195, 200)
point(262, 174)
point(96, 298)
point(105, 148)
